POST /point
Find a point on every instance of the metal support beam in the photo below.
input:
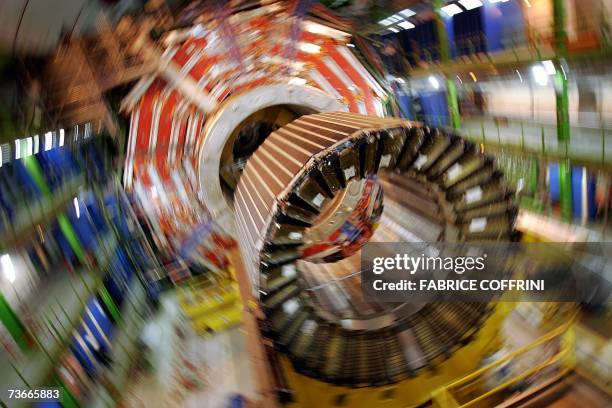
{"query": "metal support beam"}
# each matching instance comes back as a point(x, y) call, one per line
point(565, 189)
point(251, 314)
point(14, 325)
point(444, 50)
point(559, 23)
point(443, 45)
point(34, 170)
point(563, 139)
point(562, 107)
point(453, 104)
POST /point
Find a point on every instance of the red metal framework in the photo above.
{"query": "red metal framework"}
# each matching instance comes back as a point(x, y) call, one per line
point(168, 129)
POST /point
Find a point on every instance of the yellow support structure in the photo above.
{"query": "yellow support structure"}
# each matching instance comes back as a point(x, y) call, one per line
point(309, 392)
point(449, 396)
point(212, 303)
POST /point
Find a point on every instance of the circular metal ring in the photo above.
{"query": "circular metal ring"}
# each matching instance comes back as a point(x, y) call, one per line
point(305, 165)
point(219, 128)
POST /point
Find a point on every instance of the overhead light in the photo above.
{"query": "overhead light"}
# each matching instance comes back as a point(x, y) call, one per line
point(77, 207)
point(61, 138)
point(350, 45)
point(407, 13)
point(48, 141)
point(473, 77)
point(519, 75)
point(389, 20)
point(400, 80)
point(434, 82)
point(7, 267)
point(527, 3)
point(310, 48)
point(451, 10)
point(539, 75)
point(549, 67)
point(459, 78)
point(395, 30)
point(406, 25)
point(29, 146)
point(470, 4)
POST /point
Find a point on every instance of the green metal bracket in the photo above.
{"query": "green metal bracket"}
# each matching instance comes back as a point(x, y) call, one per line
point(14, 325)
point(443, 45)
point(534, 176)
point(563, 138)
point(565, 189)
point(71, 237)
point(562, 98)
point(444, 50)
point(453, 104)
point(110, 304)
point(34, 170)
point(559, 22)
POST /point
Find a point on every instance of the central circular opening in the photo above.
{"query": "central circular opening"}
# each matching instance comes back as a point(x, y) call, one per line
point(247, 137)
point(346, 223)
point(410, 214)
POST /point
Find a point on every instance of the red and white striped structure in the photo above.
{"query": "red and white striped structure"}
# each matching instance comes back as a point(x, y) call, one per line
point(206, 85)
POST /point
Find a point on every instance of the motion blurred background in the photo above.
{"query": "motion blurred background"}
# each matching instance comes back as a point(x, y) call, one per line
point(157, 248)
